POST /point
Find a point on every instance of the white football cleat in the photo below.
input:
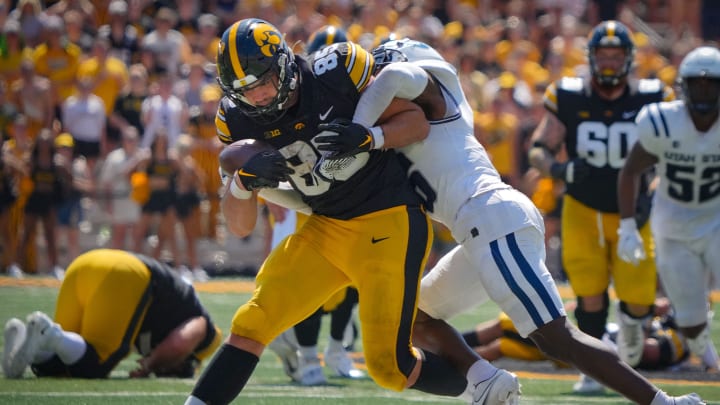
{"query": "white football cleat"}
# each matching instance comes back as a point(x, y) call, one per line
point(15, 332)
point(341, 364)
point(42, 334)
point(503, 388)
point(285, 346)
point(310, 372)
point(58, 272)
point(587, 385)
point(688, 399)
point(15, 271)
point(200, 275)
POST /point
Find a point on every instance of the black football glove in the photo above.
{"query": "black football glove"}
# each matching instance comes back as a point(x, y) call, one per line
point(348, 139)
point(264, 170)
point(572, 171)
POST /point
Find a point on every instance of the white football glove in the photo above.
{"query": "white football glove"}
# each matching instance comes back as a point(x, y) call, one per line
point(630, 244)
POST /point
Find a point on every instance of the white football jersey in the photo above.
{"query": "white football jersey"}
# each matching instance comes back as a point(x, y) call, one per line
point(687, 200)
point(450, 166)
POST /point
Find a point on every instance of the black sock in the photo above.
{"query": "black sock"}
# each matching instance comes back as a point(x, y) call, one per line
point(225, 376)
point(438, 377)
point(341, 315)
point(89, 365)
point(592, 323)
point(471, 339)
point(307, 332)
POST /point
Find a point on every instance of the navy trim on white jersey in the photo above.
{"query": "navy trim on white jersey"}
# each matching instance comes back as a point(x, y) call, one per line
point(445, 91)
point(661, 116)
point(530, 276)
point(446, 119)
point(652, 120)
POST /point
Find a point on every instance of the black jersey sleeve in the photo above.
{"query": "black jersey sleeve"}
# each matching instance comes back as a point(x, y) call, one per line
point(342, 62)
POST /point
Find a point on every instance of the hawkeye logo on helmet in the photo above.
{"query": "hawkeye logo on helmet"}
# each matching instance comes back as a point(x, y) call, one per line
point(221, 46)
point(267, 39)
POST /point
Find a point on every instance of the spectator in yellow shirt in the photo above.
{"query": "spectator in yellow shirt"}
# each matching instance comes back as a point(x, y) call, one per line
point(497, 131)
point(57, 59)
point(109, 74)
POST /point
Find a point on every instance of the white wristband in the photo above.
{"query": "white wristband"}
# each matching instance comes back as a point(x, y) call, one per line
point(239, 193)
point(628, 225)
point(378, 137)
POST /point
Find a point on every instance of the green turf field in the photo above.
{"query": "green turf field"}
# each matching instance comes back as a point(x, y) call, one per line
point(269, 385)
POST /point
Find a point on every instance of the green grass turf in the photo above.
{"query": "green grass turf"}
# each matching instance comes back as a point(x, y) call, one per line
point(269, 385)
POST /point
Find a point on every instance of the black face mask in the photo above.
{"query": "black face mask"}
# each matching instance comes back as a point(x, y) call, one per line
point(702, 94)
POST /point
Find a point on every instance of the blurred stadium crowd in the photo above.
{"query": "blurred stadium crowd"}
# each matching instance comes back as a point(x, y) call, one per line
point(107, 107)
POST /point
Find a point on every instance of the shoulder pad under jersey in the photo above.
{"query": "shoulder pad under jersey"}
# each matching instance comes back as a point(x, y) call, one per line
point(346, 59)
point(568, 84)
point(571, 84)
point(649, 86)
point(654, 86)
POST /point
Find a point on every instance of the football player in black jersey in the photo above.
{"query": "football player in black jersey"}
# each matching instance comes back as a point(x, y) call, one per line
point(594, 119)
point(367, 227)
point(297, 347)
point(109, 301)
point(663, 345)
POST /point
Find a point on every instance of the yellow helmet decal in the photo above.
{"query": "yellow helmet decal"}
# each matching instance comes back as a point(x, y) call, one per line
point(267, 38)
point(611, 28)
point(234, 58)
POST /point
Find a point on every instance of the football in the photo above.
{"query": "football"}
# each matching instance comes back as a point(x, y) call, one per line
point(235, 155)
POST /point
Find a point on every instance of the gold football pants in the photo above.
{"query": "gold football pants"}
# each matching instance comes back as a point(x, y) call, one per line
point(382, 254)
point(103, 298)
point(589, 255)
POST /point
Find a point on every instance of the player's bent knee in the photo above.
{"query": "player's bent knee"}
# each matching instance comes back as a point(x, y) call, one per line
point(250, 321)
point(388, 368)
point(554, 338)
point(387, 376)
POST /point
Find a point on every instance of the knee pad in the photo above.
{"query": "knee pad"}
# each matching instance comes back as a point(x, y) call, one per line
point(388, 367)
point(387, 376)
point(592, 323)
point(250, 321)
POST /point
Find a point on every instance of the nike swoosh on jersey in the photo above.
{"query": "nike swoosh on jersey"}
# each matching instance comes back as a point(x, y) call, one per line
point(379, 239)
point(323, 116)
point(242, 172)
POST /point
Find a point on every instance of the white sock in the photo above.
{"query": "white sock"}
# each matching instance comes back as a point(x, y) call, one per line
point(309, 353)
point(71, 347)
point(710, 357)
point(194, 401)
point(480, 371)
point(335, 345)
point(661, 398)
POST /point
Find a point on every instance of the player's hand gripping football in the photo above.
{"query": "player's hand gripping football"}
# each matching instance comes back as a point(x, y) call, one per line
point(630, 244)
point(344, 138)
point(263, 170)
point(572, 171)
